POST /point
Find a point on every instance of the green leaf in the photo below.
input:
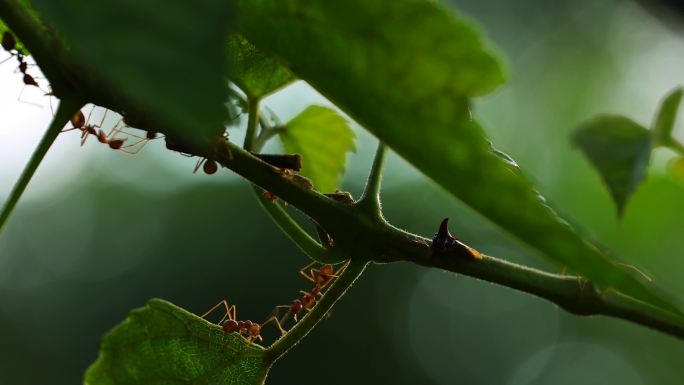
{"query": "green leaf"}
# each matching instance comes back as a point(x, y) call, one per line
point(164, 344)
point(166, 58)
point(256, 74)
point(405, 70)
point(619, 149)
point(323, 138)
point(665, 119)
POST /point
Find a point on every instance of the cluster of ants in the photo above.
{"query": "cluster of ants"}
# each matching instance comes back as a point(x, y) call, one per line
point(321, 277)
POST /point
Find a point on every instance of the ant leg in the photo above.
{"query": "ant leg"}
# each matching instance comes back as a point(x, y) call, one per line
point(228, 311)
point(277, 323)
point(27, 102)
point(199, 164)
point(630, 266)
point(311, 277)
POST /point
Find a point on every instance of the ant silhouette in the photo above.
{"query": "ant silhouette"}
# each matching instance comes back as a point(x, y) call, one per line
point(321, 278)
point(229, 323)
point(9, 44)
point(79, 122)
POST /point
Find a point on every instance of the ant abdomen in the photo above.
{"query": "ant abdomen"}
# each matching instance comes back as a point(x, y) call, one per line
point(210, 167)
point(230, 326)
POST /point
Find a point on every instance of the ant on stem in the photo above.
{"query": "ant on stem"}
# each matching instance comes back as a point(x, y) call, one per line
point(9, 44)
point(321, 278)
point(79, 122)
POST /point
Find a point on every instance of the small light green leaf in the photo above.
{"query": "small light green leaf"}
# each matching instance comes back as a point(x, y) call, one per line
point(164, 344)
point(665, 119)
point(323, 138)
point(255, 73)
point(620, 150)
point(167, 59)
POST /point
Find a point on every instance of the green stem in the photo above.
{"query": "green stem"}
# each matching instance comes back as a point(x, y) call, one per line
point(675, 146)
point(288, 225)
point(306, 324)
point(370, 200)
point(284, 221)
point(67, 108)
point(266, 134)
point(252, 123)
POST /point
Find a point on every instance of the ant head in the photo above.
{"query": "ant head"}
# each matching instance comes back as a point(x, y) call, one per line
point(78, 120)
point(230, 326)
point(254, 330)
point(296, 306)
point(327, 269)
point(151, 135)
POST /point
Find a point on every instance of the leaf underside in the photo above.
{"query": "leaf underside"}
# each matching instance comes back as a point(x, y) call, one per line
point(405, 70)
point(256, 74)
point(164, 344)
point(164, 58)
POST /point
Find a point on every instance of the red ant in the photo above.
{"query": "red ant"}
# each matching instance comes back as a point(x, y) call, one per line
point(9, 44)
point(79, 122)
point(230, 323)
point(210, 166)
point(321, 278)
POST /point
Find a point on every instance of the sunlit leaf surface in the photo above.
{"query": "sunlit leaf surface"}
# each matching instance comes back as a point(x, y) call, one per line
point(323, 138)
point(164, 344)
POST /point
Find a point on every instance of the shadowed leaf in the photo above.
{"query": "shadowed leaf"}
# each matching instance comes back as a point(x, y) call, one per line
point(166, 58)
point(323, 138)
point(164, 344)
point(665, 119)
point(619, 149)
point(256, 74)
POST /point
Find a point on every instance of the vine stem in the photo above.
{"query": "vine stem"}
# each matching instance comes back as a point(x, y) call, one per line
point(306, 324)
point(67, 108)
point(281, 218)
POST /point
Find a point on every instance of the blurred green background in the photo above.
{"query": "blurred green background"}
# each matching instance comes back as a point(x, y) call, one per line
point(100, 233)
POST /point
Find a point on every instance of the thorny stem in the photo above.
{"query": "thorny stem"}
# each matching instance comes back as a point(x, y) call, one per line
point(370, 200)
point(67, 108)
point(369, 238)
point(306, 324)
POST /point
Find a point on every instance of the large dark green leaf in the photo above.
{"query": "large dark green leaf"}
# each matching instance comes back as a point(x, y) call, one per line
point(620, 150)
point(405, 69)
point(256, 74)
point(165, 57)
point(164, 344)
point(667, 113)
point(323, 138)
